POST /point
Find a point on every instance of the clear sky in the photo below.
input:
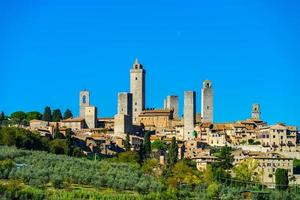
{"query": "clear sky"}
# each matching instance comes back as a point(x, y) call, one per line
point(249, 49)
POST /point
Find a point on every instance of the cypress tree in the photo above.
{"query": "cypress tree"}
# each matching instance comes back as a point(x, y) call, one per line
point(57, 133)
point(172, 155)
point(68, 114)
point(47, 114)
point(147, 145)
point(282, 179)
point(127, 142)
point(2, 116)
point(69, 141)
point(56, 116)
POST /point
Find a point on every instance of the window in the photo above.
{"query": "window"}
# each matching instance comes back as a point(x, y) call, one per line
point(84, 99)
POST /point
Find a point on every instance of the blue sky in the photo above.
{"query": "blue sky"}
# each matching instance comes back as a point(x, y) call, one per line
point(249, 49)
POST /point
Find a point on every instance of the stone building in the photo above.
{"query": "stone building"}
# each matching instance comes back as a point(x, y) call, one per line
point(123, 119)
point(155, 119)
point(73, 123)
point(207, 102)
point(90, 116)
point(189, 114)
point(278, 137)
point(137, 89)
point(255, 111)
point(171, 103)
point(84, 101)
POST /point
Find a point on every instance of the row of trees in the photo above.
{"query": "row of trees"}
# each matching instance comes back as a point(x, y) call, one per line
point(23, 118)
point(56, 115)
point(39, 168)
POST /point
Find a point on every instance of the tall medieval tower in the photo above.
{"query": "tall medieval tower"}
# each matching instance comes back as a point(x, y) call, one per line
point(207, 102)
point(137, 89)
point(189, 116)
point(84, 101)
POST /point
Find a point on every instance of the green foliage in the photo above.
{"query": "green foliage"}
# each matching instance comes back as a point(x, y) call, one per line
point(281, 179)
point(19, 115)
point(296, 164)
point(172, 154)
point(57, 133)
point(47, 116)
point(182, 173)
point(2, 116)
point(159, 145)
point(147, 144)
point(151, 166)
point(33, 115)
point(128, 157)
point(68, 114)
point(247, 170)
point(58, 146)
point(213, 190)
point(57, 182)
point(77, 152)
point(41, 168)
point(19, 118)
point(225, 157)
point(21, 138)
point(56, 115)
point(69, 141)
point(5, 167)
point(127, 143)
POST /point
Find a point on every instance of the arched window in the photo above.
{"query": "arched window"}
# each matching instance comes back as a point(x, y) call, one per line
point(84, 99)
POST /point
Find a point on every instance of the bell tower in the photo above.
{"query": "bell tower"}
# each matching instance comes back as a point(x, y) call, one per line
point(255, 111)
point(84, 101)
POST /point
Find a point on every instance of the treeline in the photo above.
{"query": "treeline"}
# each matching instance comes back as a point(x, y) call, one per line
point(25, 139)
point(23, 118)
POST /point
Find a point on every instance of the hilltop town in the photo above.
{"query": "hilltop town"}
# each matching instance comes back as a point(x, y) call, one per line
point(271, 146)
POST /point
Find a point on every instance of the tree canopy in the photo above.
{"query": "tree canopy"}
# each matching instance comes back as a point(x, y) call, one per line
point(56, 115)
point(47, 116)
point(68, 114)
point(172, 154)
point(281, 179)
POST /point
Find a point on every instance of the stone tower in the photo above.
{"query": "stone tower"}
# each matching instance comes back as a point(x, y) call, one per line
point(137, 89)
point(207, 102)
point(256, 111)
point(125, 103)
point(90, 116)
point(171, 103)
point(123, 119)
point(189, 116)
point(84, 101)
